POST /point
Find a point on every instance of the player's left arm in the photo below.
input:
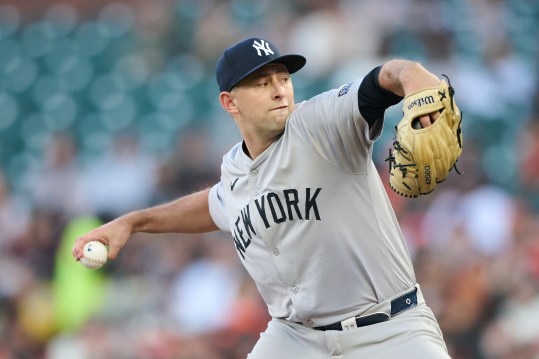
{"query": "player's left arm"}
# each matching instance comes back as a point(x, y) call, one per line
point(404, 77)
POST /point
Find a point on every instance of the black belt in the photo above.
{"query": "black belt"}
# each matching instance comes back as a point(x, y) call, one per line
point(398, 305)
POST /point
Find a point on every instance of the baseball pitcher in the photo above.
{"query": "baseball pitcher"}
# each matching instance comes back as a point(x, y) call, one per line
point(306, 209)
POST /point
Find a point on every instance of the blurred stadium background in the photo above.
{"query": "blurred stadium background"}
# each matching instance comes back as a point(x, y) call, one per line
point(109, 106)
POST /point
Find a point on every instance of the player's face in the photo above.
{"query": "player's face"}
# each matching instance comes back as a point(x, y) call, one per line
point(264, 101)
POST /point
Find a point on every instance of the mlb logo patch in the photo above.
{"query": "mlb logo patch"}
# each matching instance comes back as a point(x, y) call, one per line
point(344, 90)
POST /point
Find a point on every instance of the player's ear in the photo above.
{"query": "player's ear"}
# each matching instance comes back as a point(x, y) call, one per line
point(227, 102)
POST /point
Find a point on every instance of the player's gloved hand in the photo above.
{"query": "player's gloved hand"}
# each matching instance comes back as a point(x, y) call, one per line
point(427, 120)
point(427, 143)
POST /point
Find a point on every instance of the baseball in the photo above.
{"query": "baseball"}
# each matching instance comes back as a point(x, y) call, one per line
point(94, 255)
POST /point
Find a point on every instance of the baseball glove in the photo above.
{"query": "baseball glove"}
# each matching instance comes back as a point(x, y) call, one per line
point(422, 157)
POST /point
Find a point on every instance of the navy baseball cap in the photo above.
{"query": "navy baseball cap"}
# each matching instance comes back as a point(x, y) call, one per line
point(242, 59)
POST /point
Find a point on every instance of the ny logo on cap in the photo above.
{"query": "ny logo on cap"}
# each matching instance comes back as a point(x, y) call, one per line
point(264, 46)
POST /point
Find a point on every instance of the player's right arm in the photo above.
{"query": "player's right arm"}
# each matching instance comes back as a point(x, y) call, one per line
point(188, 214)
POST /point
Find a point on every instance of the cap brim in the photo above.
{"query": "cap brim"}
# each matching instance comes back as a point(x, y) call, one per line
point(292, 62)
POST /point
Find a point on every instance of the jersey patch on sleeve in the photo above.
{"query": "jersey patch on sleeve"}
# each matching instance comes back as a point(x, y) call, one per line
point(344, 90)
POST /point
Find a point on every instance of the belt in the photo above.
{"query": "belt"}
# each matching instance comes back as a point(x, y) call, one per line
point(398, 305)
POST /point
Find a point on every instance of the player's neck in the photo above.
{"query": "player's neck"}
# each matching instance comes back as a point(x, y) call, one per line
point(254, 148)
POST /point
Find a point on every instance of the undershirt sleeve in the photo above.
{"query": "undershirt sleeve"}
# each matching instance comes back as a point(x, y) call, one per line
point(373, 99)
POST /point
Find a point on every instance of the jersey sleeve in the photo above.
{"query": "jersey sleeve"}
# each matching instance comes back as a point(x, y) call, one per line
point(331, 125)
point(342, 124)
point(217, 207)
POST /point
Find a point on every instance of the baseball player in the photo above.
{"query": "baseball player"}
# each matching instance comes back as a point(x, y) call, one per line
point(307, 211)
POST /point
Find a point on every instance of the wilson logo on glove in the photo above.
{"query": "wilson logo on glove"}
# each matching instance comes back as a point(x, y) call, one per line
point(427, 100)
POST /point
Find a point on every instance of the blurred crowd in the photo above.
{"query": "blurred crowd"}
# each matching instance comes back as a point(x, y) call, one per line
point(110, 106)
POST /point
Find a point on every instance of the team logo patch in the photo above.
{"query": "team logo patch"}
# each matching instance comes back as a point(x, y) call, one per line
point(262, 46)
point(344, 90)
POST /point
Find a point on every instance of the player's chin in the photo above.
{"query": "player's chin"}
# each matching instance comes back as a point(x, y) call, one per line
point(279, 124)
point(281, 116)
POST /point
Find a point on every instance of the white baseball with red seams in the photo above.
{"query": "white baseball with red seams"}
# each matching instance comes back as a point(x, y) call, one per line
point(94, 255)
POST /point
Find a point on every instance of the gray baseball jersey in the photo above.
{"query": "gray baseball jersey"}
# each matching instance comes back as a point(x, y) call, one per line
point(310, 217)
